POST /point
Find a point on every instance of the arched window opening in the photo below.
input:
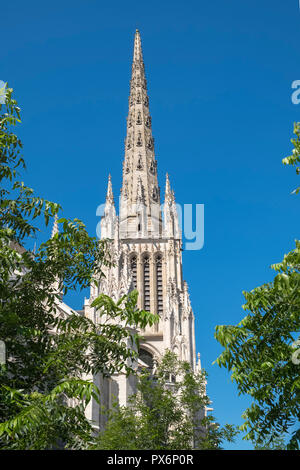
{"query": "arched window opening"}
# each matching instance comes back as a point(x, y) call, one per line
point(146, 283)
point(133, 265)
point(146, 358)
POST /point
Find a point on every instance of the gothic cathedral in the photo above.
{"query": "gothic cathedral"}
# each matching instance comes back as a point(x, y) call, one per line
point(147, 247)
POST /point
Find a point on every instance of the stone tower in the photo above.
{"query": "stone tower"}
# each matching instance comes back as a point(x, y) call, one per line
point(146, 242)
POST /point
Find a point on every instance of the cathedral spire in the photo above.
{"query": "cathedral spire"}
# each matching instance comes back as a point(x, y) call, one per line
point(139, 169)
point(145, 253)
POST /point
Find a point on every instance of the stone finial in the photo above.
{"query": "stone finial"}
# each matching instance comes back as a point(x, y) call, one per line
point(137, 53)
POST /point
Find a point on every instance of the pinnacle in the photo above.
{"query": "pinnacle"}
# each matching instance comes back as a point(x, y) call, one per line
point(168, 186)
point(140, 172)
point(109, 195)
point(199, 361)
point(168, 193)
point(55, 229)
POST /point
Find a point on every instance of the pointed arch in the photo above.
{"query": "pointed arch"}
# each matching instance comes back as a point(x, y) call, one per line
point(146, 357)
point(151, 349)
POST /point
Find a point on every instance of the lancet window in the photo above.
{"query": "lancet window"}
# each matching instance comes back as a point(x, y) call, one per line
point(159, 285)
point(146, 283)
point(133, 268)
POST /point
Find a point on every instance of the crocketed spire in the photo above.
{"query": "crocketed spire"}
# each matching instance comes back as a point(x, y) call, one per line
point(139, 168)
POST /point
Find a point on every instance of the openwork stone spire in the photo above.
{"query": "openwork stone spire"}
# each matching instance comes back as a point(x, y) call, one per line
point(139, 169)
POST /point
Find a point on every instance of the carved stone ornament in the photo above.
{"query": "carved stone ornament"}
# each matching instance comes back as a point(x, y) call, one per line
point(150, 143)
point(140, 191)
point(139, 140)
point(139, 165)
point(155, 193)
point(152, 167)
point(148, 121)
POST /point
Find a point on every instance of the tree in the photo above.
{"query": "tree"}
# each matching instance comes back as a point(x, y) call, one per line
point(275, 443)
point(48, 354)
point(294, 159)
point(167, 412)
point(261, 351)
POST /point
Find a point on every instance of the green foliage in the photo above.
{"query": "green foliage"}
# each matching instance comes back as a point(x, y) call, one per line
point(45, 420)
point(277, 443)
point(49, 352)
point(165, 413)
point(125, 311)
point(261, 350)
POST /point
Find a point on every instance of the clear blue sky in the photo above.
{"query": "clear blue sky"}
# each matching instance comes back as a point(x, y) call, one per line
point(219, 80)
